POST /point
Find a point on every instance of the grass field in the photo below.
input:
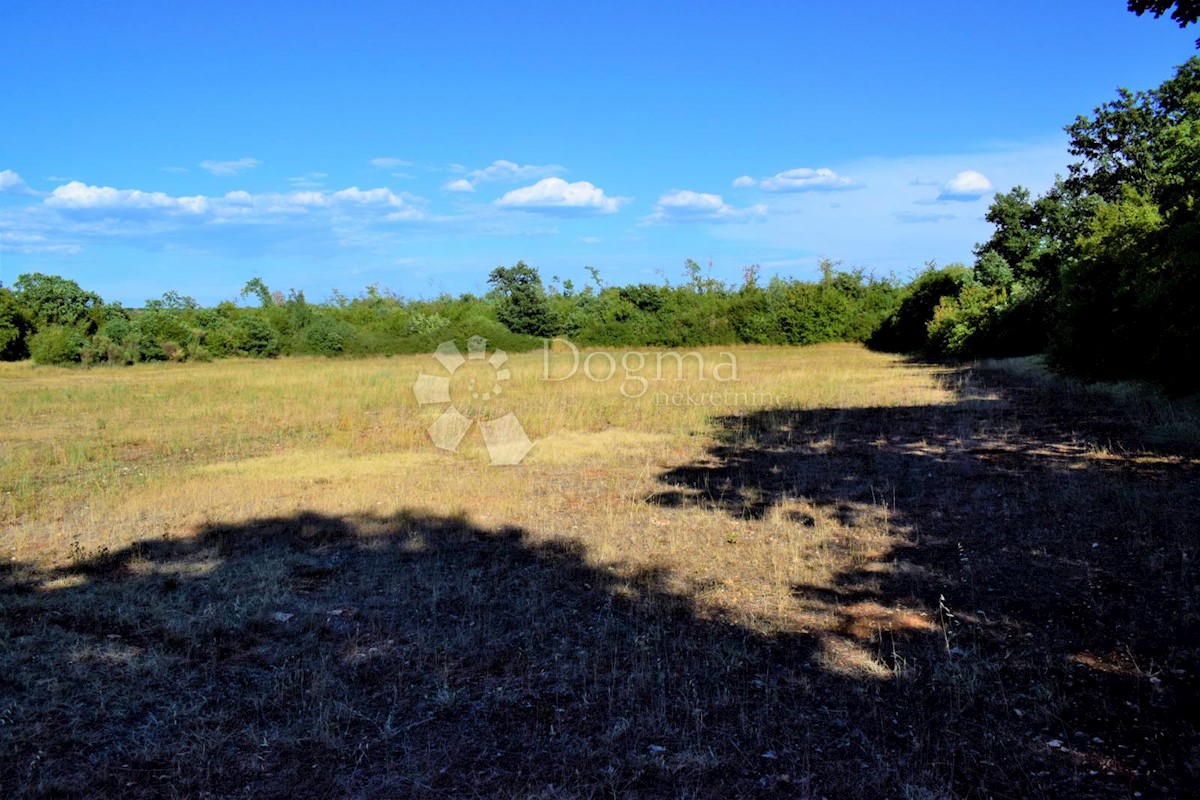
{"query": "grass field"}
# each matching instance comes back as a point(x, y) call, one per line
point(823, 572)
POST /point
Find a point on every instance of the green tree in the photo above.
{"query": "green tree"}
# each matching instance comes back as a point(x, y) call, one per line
point(1185, 12)
point(54, 300)
point(906, 329)
point(258, 288)
point(521, 303)
point(14, 327)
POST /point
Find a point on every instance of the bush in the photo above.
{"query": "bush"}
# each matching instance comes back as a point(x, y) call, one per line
point(906, 329)
point(326, 337)
point(260, 339)
point(421, 323)
point(810, 313)
point(57, 344)
point(14, 328)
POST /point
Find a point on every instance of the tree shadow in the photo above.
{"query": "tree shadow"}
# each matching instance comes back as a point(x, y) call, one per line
point(408, 655)
point(424, 655)
point(1049, 536)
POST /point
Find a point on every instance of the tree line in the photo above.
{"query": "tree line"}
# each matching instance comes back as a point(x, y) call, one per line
point(55, 321)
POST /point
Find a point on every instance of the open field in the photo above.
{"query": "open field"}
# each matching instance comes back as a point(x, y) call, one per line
point(845, 575)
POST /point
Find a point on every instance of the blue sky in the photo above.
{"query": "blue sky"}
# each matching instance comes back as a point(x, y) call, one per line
point(321, 145)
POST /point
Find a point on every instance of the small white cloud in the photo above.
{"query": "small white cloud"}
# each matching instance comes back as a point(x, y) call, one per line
point(367, 197)
point(174, 169)
point(385, 162)
point(744, 182)
point(556, 195)
point(507, 171)
point(499, 171)
point(12, 183)
point(229, 167)
point(590, 239)
point(965, 186)
point(808, 180)
point(687, 206)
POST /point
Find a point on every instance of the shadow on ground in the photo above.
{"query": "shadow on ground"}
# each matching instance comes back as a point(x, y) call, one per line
point(1053, 541)
point(413, 655)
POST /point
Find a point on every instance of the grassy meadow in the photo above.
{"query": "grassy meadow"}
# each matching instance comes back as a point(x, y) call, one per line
point(825, 572)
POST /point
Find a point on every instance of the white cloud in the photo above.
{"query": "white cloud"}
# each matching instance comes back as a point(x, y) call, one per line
point(385, 162)
point(556, 195)
point(12, 183)
point(500, 172)
point(804, 179)
point(174, 169)
point(242, 206)
point(965, 186)
point(508, 171)
point(367, 197)
point(590, 239)
point(687, 206)
point(743, 182)
point(229, 167)
point(76, 196)
point(77, 204)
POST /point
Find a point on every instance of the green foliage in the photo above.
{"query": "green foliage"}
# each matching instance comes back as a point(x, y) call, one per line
point(15, 326)
point(424, 324)
point(1116, 308)
point(810, 313)
point(257, 288)
point(1185, 12)
point(844, 305)
point(162, 330)
point(327, 337)
point(992, 270)
point(906, 329)
point(521, 300)
point(258, 339)
point(56, 301)
point(984, 321)
point(57, 344)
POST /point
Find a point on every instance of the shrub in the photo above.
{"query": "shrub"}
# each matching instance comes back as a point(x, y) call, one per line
point(14, 328)
point(425, 323)
point(261, 340)
point(57, 344)
point(906, 329)
point(325, 336)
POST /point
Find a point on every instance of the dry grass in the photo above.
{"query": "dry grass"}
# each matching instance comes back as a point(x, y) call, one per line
point(853, 576)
